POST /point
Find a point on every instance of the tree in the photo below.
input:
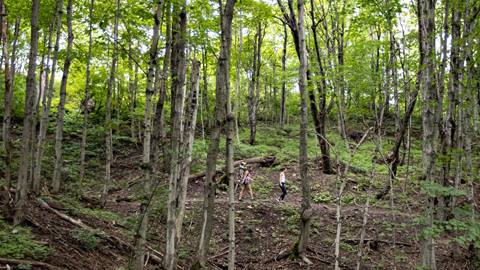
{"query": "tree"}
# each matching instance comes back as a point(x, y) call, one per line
point(108, 108)
point(221, 86)
point(22, 183)
point(57, 173)
point(86, 97)
point(427, 81)
point(178, 70)
point(47, 105)
point(298, 32)
point(9, 69)
point(141, 233)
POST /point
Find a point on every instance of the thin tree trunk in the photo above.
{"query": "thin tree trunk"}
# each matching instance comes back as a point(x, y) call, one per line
point(86, 98)
point(9, 71)
point(141, 233)
point(236, 105)
point(22, 183)
point(108, 109)
point(284, 80)
point(46, 106)
point(319, 117)
point(254, 85)
point(221, 89)
point(188, 138)
point(158, 135)
point(426, 12)
point(306, 209)
point(179, 32)
point(57, 172)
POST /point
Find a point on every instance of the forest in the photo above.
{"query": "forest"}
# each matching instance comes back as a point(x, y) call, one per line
point(240, 134)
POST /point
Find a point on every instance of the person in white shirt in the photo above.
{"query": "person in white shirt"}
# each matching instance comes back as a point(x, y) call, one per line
point(281, 183)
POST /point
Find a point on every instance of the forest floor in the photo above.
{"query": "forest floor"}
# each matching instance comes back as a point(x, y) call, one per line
point(264, 227)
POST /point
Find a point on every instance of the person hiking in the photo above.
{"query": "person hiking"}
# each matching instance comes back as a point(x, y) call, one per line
point(246, 181)
point(281, 183)
point(241, 172)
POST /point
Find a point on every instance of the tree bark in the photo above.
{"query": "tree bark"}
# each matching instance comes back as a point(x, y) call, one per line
point(9, 70)
point(137, 261)
point(108, 109)
point(37, 171)
point(254, 86)
point(319, 117)
point(22, 182)
point(284, 80)
point(221, 88)
point(158, 135)
point(86, 97)
point(179, 32)
point(187, 140)
point(306, 210)
point(57, 172)
point(426, 14)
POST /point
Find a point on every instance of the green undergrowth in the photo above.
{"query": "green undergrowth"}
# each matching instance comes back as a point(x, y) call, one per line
point(18, 243)
point(74, 207)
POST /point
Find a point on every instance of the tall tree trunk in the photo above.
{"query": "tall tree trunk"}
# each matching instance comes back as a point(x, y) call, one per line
point(221, 88)
point(57, 172)
point(254, 86)
point(141, 233)
point(37, 171)
point(284, 80)
point(22, 182)
point(86, 97)
point(319, 117)
point(306, 210)
point(179, 31)
point(426, 12)
point(158, 135)
point(108, 109)
point(452, 128)
point(236, 104)
point(9, 70)
point(187, 140)
point(442, 123)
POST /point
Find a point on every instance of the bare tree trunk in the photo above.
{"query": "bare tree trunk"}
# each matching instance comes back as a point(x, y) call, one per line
point(86, 98)
point(426, 14)
point(37, 171)
point(306, 210)
point(22, 183)
point(254, 86)
point(319, 117)
point(236, 105)
point(137, 261)
point(444, 125)
point(158, 135)
point(284, 80)
point(57, 172)
point(9, 70)
point(187, 140)
point(230, 118)
point(108, 109)
point(221, 89)
point(179, 31)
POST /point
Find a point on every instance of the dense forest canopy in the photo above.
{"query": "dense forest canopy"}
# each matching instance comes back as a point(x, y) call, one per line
point(132, 129)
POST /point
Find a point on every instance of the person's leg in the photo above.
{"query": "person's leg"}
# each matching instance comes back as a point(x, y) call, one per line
point(241, 192)
point(251, 192)
point(284, 191)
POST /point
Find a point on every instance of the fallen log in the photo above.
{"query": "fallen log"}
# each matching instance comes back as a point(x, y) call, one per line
point(262, 161)
point(28, 262)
